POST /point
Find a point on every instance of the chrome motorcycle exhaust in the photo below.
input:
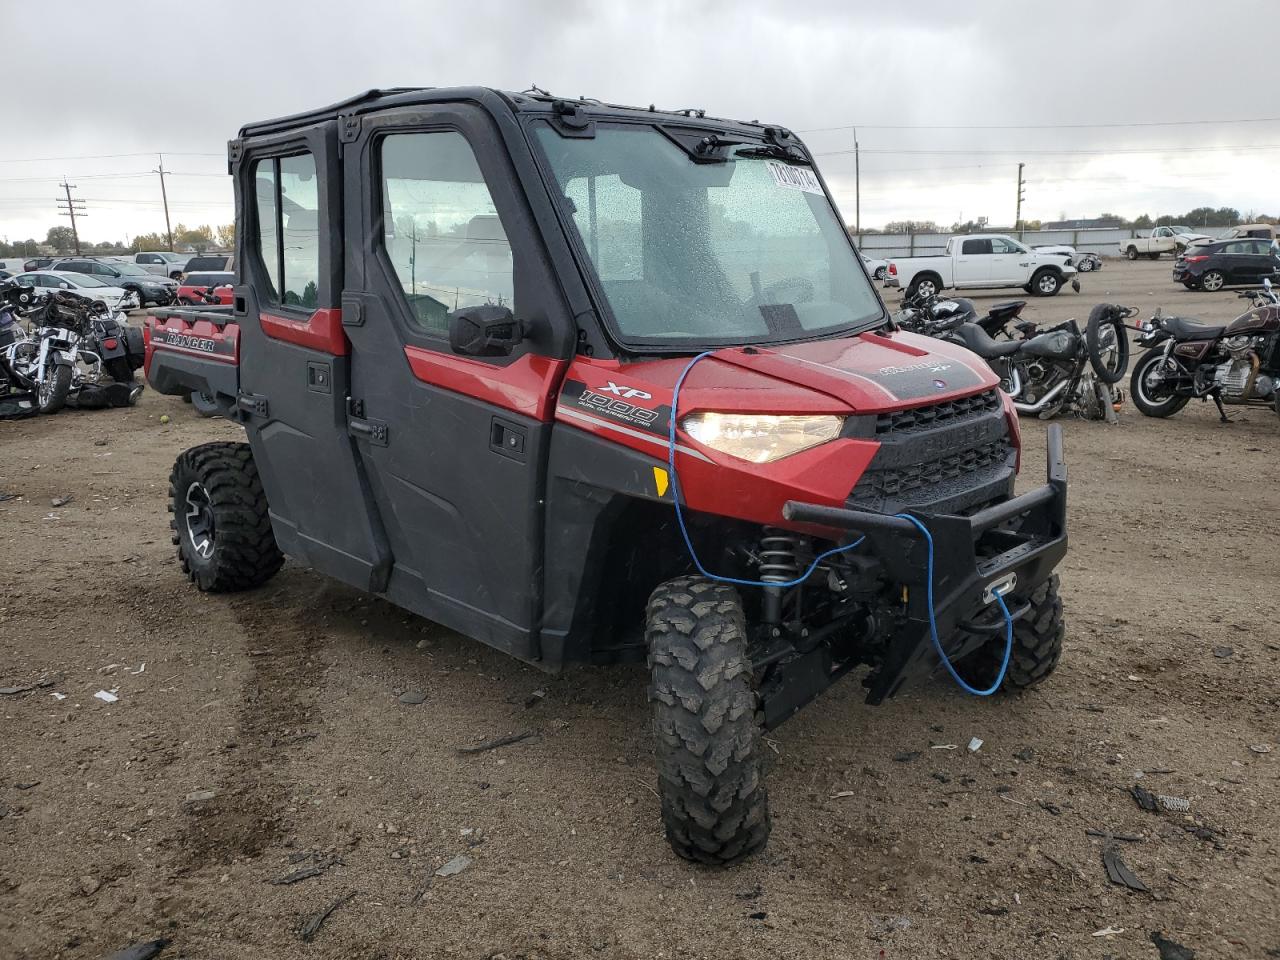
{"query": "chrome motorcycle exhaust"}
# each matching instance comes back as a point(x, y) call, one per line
point(1043, 401)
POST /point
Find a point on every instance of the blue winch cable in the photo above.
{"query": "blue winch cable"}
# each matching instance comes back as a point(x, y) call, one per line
point(928, 538)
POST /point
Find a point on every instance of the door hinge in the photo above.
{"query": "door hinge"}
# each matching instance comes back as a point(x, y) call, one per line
point(348, 128)
point(252, 403)
point(375, 431)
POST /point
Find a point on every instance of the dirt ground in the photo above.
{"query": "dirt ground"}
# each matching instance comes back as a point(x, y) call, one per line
point(265, 736)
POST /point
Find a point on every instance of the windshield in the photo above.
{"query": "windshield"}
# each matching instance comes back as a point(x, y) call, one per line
point(1176, 228)
point(170, 257)
point(84, 280)
point(128, 270)
point(746, 250)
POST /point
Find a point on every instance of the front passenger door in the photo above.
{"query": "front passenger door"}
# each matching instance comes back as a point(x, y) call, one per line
point(455, 446)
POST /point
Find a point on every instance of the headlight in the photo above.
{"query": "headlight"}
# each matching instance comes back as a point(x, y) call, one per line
point(758, 437)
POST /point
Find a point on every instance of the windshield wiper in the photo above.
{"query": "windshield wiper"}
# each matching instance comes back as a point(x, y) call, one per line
point(775, 151)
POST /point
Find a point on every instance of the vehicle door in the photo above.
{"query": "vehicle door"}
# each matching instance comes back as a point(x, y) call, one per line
point(1256, 262)
point(295, 359)
point(455, 446)
point(1009, 263)
point(1233, 261)
point(152, 263)
point(973, 263)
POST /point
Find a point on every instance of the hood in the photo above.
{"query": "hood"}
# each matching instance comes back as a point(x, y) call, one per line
point(867, 373)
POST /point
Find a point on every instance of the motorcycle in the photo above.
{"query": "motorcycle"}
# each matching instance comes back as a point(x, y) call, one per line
point(77, 350)
point(17, 391)
point(1049, 372)
point(1236, 363)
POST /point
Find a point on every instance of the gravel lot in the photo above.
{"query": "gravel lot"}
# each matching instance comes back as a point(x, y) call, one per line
point(265, 735)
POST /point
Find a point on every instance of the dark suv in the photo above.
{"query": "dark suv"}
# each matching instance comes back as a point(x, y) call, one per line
point(149, 288)
point(599, 384)
point(1212, 266)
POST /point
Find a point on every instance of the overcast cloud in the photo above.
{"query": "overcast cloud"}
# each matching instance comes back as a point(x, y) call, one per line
point(182, 79)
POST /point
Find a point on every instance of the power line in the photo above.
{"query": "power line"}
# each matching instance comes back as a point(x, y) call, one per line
point(1052, 153)
point(104, 156)
point(1042, 126)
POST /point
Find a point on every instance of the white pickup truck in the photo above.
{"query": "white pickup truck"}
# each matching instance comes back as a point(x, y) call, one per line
point(1171, 240)
point(164, 264)
point(983, 260)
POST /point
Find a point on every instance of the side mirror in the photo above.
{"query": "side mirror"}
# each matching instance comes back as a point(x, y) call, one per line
point(487, 331)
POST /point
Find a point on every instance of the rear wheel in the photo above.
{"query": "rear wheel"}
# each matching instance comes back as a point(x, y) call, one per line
point(924, 287)
point(220, 523)
point(203, 403)
point(1037, 642)
point(1212, 280)
point(1153, 393)
point(706, 728)
point(1131, 253)
point(54, 388)
point(1046, 283)
point(119, 369)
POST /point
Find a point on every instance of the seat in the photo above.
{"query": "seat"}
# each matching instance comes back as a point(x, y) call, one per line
point(1006, 311)
point(977, 340)
point(1182, 328)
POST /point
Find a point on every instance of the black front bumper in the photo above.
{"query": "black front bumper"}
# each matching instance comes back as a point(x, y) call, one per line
point(1015, 543)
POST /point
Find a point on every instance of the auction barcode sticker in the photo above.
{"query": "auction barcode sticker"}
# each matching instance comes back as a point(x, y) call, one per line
point(793, 178)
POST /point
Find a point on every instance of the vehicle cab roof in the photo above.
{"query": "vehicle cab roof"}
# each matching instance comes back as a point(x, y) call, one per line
point(495, 101)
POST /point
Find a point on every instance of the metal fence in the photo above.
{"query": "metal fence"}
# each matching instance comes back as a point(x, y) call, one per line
point(1105, 243)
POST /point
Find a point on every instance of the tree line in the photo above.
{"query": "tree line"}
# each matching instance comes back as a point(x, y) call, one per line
point(1197, 218)
point(62, 241)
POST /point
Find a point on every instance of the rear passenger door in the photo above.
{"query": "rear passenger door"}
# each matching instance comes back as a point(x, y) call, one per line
point(973, 265)
point(295, 361)
point(455, 446)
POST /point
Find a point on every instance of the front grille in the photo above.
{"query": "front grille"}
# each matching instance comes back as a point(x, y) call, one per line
point(935, 473)
point(950, 457)
point(919, 418)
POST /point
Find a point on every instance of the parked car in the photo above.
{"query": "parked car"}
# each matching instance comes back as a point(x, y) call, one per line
point(877, 268)
point(82, 284)
point(1245, 231)
point(209, 263)
point(1212, 266)
point(195, 284)
point(1084, 262)
point(164, 263)
point(5, 274)
point(1171, 240)
point(149, 288)
point(982, 260)
point(38, 263)
point(13, 264)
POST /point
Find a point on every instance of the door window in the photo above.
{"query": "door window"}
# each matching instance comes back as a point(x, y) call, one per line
point(441, 230)
point(976, 246)
point(1001, 245)
point(288, 229)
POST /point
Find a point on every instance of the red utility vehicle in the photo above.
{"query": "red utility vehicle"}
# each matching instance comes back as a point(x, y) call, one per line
point(596, 384)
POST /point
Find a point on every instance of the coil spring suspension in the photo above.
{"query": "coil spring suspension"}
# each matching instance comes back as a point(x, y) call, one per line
point(778, 564)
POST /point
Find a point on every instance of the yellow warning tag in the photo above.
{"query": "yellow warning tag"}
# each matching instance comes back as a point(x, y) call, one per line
point(660, 481)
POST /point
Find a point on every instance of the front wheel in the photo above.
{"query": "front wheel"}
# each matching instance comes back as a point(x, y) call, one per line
point(1085, 265)
point(707, 731)
point(1153, 393)
point(54, 389)
point(220, 522)
point(1037, 642)
point(1107, 342)
point(1212, 281)
point(1046, 283)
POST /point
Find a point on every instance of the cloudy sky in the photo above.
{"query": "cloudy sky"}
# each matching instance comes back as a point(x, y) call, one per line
point(1106, 103)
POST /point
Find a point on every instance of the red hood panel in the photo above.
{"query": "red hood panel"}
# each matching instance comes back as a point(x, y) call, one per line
point(873, 371)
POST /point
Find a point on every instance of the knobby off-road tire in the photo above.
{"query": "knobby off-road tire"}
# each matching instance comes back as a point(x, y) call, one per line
point(706, 727)
point(220, 523)
point(1037, 643)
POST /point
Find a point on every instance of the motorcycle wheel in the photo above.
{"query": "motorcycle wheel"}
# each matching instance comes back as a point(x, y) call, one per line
point(119, 369)
point(52, 395)
point(1109, 365)
point(1151, 399)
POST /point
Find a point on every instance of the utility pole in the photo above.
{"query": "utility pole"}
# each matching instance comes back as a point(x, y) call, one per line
point(72, 208)
point(857, 188)
point(165, 196)
point(1021, 188)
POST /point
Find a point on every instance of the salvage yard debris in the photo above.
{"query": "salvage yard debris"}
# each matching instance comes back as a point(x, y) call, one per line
point(497, 742)
point(1120, 874)
point(311, 927)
